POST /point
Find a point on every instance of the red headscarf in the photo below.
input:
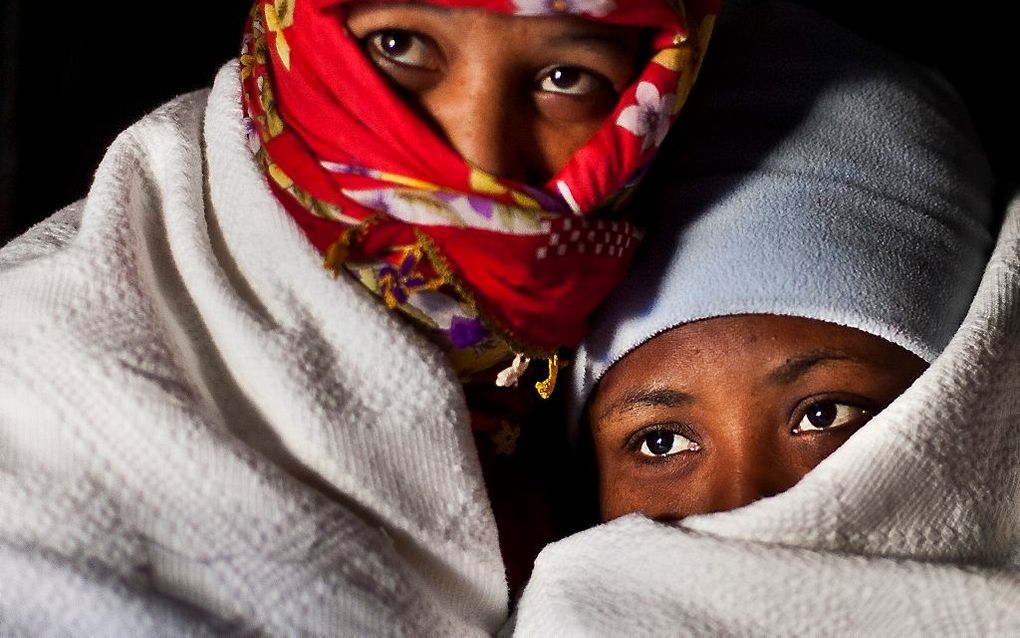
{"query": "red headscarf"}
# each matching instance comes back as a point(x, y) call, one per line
point(525, 265)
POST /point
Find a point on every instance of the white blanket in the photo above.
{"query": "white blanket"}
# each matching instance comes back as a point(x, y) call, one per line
point(201, 431)
point(911, 528)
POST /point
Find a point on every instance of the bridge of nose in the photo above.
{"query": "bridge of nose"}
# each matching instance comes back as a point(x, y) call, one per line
point(483, 104)
point(480, 117)
point(749, 466)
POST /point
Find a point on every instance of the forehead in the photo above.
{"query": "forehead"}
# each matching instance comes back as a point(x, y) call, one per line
point(662, 14)
point(739, 348)
point(713, 339)
point(427, 14)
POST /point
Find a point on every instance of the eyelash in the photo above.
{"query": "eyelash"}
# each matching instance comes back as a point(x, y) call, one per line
point(634, 441)
point(868, 407)
point(369, 44)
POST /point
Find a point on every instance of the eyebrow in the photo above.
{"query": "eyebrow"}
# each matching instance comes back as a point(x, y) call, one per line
point(653, 397)
point(796, 367)
point(604, 43)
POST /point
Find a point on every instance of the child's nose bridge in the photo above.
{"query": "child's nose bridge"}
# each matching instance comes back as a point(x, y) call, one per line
point(746, 488)
point(750, 471)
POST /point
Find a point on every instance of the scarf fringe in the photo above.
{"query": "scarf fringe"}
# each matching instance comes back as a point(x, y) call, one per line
point(512, 375)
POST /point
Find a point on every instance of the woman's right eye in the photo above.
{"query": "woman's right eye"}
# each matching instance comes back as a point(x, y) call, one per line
point(405, 48)
point(663, 443)
point(572, 80)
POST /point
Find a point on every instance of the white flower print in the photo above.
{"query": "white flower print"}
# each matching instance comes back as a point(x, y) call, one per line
point(649, 118)
point(594, 8)
point(250, 132)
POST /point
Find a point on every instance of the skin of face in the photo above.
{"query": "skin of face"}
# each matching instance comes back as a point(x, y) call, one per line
point(716, 414)
point(515, 96)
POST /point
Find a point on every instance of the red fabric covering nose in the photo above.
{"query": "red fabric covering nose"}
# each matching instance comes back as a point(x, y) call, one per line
point(527, 264)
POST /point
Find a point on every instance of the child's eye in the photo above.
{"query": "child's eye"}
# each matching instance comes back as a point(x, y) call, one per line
point(662, 443)
point(402, 47)
point(572, 80)
point(829, 415)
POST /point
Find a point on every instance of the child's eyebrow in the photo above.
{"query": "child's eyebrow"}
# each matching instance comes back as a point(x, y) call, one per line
point(795, 367)
point(652, 397)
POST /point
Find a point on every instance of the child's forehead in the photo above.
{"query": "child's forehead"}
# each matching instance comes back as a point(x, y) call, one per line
point(745, 351)
point(770, 336)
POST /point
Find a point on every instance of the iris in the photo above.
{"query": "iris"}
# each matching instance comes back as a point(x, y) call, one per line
point(660, 442)
point(822, 415)
point(395, 43)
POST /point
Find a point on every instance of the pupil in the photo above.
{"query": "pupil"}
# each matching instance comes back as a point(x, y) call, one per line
point(660, 442)
point(565, 77)
point(394, 43)
point(822, 415)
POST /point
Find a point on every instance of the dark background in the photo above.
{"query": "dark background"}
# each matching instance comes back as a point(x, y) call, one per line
point(74, 73)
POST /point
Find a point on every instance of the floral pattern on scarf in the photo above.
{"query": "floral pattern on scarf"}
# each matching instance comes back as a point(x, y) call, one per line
point(490, 267)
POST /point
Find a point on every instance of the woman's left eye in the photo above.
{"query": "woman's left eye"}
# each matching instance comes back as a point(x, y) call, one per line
point(571, 80)
point(662, 443)
point(402, 47)
point(830, 415)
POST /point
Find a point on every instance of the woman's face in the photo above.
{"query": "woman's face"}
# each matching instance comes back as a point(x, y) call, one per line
point(515, 96)
point(713, 415)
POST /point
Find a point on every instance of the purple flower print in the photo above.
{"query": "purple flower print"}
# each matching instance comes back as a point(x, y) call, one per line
point(465, 332)
point(252, 134)
point(350, 169)
point(397, 284)
point(482, 206)
point(594, 8)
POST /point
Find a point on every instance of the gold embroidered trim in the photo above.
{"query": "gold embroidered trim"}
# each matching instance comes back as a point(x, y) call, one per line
point(340, 251)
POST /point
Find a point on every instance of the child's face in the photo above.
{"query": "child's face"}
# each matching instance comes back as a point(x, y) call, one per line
point(715, 414)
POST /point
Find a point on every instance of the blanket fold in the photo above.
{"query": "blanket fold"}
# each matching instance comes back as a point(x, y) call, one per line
point(912, 527)
point(202, 431)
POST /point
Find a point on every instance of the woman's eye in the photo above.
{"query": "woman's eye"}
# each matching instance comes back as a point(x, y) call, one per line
point(402, 47)
point(572, 80)
point(662, 443)
point(829, 415)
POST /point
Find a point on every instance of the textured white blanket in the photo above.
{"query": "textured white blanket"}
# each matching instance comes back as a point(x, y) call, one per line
point(201, 431)
point(911, 528)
